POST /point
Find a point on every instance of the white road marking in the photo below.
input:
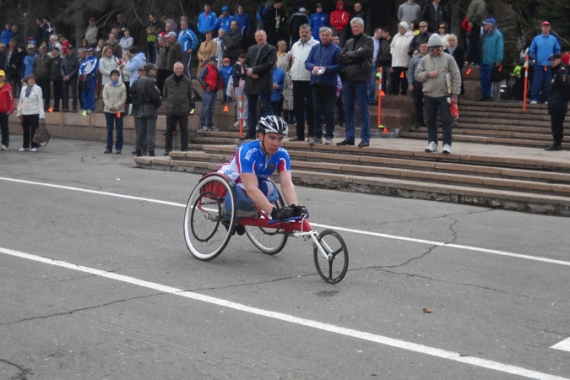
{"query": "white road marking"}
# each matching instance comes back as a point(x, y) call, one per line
point(387, 341)
point(361, 232)
point(563, 346)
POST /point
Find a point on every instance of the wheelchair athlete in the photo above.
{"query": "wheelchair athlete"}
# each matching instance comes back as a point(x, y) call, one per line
point(254, 162)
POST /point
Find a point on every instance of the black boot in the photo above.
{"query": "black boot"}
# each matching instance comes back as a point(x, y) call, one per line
point(151, 153)
point(139, 153)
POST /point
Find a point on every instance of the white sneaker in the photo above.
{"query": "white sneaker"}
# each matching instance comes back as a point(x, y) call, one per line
point(23, 149)
point(446, 149)
point(328, 141)
point(204, 128)
point(4, 147)
point(432, 147)
point(236, 124)
point(34, 150)
point(213, 128)
point(534, 102)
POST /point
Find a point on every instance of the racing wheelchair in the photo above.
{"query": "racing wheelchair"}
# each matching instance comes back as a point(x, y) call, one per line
point(211, 219)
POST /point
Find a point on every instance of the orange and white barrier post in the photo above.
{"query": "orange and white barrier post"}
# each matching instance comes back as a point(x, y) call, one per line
point(240, 111)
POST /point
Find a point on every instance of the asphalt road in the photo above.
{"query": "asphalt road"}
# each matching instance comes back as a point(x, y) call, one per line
point(96, 283)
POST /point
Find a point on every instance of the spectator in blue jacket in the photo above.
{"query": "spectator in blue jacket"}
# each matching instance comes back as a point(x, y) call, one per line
point(227, 72)
point(188, 42)
point(492, 50)
point(206, 20)
point(541, 48)
point(324, 66)
point(223, 22)
point(243, 21)
point(277, 93)
point(28, 66)
point(318, 20)
point(7, 35)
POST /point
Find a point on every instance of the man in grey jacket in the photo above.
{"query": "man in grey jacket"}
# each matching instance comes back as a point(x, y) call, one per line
point(441, 83)
point(177, 94)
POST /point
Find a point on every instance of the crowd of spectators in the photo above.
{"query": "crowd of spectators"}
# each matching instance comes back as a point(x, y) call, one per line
point(274, 74)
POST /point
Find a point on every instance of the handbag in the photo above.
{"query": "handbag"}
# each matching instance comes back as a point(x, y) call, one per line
point(42, 135)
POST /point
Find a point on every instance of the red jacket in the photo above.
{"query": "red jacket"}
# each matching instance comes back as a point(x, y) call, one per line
point(6, 99)
point(340, 18)
point(210, 78)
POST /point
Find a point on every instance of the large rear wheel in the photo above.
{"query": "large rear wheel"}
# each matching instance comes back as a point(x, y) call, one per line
point(208, 224)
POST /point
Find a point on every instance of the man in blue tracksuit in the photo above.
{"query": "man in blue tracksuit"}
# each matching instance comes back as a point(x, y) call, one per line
point(188, 42)
point(541, 48)
point(87, 72)
point(318, 20)
point(206, 20)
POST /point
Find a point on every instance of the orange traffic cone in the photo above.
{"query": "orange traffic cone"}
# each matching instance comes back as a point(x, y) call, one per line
point(402, 75)
point(50, 109)
point(226, 108)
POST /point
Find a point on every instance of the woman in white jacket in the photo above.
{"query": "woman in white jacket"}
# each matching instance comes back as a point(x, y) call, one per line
point(400, 58)
point(107, 63)
point(30, 111)
point(114, 97)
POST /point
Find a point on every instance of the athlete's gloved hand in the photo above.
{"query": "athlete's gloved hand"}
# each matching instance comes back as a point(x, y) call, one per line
point(299, 210)
point(283, 213)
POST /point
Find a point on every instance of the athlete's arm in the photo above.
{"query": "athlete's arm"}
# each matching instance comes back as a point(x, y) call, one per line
point(251, 185)
point(287, 187)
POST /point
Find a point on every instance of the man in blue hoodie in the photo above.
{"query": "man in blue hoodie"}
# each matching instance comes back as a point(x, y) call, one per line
point(206, 20)
point(188, 42)
point(324, 66)
point(541, 48)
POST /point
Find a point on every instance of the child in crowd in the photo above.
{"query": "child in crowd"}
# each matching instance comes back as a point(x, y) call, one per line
point(516, 82)
point(227, 72)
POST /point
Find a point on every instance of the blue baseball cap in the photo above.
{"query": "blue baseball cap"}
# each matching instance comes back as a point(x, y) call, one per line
point(225, 8)
point(491, 21)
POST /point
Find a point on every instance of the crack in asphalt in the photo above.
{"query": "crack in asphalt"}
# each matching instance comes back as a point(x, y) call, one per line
point(24, 372)
point(70, 312)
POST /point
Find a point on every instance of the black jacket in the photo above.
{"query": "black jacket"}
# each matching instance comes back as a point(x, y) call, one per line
point(262, 66)
point(559, 93)
point(356, 58)
point(177, 96)
point(433, 17)
point(232, 41)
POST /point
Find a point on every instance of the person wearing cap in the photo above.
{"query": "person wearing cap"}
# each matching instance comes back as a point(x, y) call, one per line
point(91, 32)
point(541, 48)
point(558, 97)
point(6, 109)
point(148, 99)
point(492, 51)
point(87, 71)
point(207, 20)
point(295, 21)
point(318, 20)
point(223, 22)
point(174, 53)
point(409, 11)
point(211, 82)
point(441, 84)
point(29, 59)
point(69, 70)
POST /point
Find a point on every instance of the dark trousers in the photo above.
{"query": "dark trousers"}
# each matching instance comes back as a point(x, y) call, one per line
point(30, 124)
point(277, 107)
point(252, 117)
point(70, 88)
point(303, 106)
point(146, 132)
point(418, 97)
point(151, 52)
point(473, 56)
point(399, 83)
point(323, 104)
point(4, 129)
point(435, 106)
point(171, 121)
point(557, 122)
point(114, 121)
point(44, 84)
point(57, 94)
